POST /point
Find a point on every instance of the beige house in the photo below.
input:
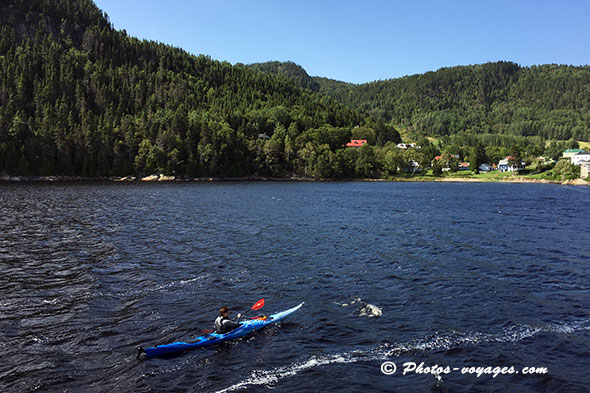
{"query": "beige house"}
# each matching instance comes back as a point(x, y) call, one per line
point(584, 170)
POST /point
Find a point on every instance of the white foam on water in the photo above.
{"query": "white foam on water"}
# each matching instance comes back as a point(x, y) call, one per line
point(366, 310)
point(181, 283)
point(264, 377)
point(511, 334)
point(371, 311)
point(355, 300)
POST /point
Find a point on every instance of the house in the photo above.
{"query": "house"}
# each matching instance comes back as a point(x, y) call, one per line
point(584, 170)
point(463, 166)
point(569, 153)
point(504, 166)
point(407, 146)
point(578, 158)
point(356, 142)
point(485, 168)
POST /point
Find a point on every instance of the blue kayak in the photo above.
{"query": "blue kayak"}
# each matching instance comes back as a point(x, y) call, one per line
point(246, 327)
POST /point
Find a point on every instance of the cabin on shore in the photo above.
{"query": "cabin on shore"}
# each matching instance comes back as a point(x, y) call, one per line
point(504, 165)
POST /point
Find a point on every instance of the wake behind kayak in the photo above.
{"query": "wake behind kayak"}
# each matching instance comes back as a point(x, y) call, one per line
point(246, 327)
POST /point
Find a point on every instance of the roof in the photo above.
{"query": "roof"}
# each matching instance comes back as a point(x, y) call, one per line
point(574, 151)
point(356, 142)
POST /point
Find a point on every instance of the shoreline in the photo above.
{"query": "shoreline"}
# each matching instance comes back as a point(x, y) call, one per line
point(184, 179)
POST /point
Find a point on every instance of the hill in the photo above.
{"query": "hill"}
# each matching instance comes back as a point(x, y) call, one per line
point(78, 97)
point(551, 101)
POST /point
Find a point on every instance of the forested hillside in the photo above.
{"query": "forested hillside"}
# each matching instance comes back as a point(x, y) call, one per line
point(79, 97)
point(551, 101)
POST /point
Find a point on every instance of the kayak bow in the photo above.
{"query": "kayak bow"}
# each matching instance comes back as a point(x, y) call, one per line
point(246, 327)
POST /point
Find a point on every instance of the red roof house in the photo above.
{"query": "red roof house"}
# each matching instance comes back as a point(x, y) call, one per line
point(356, 142)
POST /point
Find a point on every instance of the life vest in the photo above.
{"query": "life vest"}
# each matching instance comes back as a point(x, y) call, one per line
point(221, 325)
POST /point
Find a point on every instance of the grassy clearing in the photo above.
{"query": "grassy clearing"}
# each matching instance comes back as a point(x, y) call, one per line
point(483, 176)
point(584, 145)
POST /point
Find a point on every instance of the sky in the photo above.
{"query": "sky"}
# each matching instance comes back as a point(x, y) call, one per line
point(364, 40)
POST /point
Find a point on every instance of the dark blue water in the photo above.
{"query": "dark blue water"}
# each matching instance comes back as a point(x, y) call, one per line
point(464, 275)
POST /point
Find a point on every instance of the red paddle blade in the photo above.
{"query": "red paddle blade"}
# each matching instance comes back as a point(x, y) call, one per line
point(258, 305)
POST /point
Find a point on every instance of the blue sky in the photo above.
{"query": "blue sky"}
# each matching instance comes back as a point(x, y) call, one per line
point(362, 41)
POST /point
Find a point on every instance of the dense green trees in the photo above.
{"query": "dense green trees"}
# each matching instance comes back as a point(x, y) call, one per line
point(565, 170)
point(551, 101)
point(80, 98)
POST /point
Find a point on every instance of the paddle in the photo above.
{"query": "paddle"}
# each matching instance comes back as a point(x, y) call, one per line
point(257, 306)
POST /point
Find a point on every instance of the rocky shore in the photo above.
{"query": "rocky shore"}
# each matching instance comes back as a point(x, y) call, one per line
point(152, 178)
point(164, 178)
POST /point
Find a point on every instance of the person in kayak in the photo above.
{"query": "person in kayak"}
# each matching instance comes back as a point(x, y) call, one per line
point(223, 324)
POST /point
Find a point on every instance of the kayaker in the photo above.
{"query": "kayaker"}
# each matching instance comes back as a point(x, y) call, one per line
point(223, 324)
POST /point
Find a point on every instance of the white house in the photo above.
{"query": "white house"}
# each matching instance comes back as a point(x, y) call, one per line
point(504, 166)
point(580, 157)
point(407, 146)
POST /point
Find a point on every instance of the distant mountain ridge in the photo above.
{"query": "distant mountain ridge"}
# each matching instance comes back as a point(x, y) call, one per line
point(552, 101)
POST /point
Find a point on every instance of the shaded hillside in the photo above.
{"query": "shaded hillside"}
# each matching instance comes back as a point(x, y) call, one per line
point(79, 97)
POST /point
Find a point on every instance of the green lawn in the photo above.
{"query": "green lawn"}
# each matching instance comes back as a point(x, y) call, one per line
point(485, 176)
